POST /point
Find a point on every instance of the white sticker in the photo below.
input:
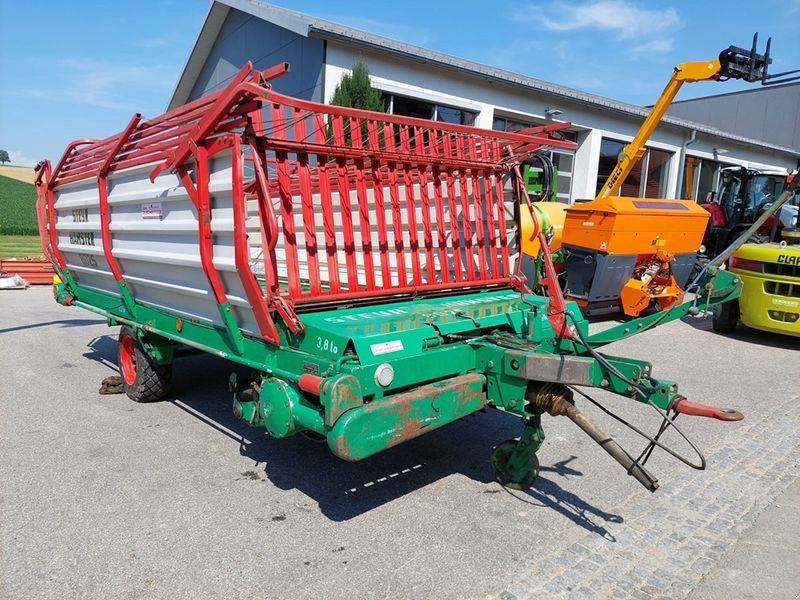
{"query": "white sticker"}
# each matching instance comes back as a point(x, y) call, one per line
point(386, 347)
point(151, 210)
point(784, 302)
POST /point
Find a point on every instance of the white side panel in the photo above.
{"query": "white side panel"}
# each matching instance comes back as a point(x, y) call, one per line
point(154, 234)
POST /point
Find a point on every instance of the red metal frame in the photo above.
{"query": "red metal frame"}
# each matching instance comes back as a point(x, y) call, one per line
point(127, 359)
point(431, 194)
point(102, 189)
point(43, 173)
point(241, 252)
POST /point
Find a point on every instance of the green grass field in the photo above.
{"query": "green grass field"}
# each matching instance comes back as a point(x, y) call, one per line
point(17, 207)
point(15, 246)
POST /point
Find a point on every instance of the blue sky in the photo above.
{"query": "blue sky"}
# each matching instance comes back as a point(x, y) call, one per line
point(79, 69)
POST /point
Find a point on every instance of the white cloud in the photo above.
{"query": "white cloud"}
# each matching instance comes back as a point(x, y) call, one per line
point(663, 45)
point(18, 159)
point(621, 16)
point(103, 84)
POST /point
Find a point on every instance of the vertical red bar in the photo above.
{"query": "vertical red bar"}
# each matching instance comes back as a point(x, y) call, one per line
point(501, 223)
point(307, 203)
point(287, 219)
point(202, 202)
point(440, 225)
point(455, 231)
point(51, 217)
point(405, 143)
point(241, 252)
point(411, 207)
point(287, 208)
point(380, 206)
point(346, 211)
point(380, 214)
point(411, 216)
point(492, 234)
point(426, 223)
point(366, 229)
point(397, 225)
point(427, 234)
point(479, 226)
point(363, 206)
point(268, 222)
point(397, 215)
point(467, 223)
point(328, 220)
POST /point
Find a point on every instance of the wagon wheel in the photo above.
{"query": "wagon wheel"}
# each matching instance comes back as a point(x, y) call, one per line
point(142, 378)
point(517, 475)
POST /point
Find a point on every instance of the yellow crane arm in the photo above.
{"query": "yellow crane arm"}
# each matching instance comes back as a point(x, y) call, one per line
point(633, 152)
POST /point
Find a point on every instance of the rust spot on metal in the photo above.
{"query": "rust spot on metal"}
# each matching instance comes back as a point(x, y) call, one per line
point(407, 415)
point(340, 394)
point(413, 427)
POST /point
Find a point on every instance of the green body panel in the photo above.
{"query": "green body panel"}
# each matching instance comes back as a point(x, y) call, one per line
point(532, 176)
point(448, 355)
point(373, 427)
point(406, 329)
point(280, 408)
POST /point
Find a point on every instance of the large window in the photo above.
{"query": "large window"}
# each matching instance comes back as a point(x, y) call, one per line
point(699, 178)
point(563, 160)
point(421, 109)
point(647, 179)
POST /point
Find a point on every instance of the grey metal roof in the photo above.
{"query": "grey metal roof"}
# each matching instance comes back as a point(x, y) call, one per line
point(311, 26)
point(754, 90)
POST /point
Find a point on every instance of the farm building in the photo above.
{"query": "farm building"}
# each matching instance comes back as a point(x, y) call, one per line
point(683, 157)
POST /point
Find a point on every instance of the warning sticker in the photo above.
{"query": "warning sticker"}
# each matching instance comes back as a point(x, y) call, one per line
point(151, 210)
point(386, 347)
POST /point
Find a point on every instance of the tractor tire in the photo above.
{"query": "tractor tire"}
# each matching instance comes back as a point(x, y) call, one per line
point(699, 264)
point(725, 317)
point(758, 238)
point(142, 379)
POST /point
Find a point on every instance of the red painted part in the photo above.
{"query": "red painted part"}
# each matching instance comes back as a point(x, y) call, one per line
point(102, 190)
point(420, 204)
point(717, 215)
point(127, 359)
point(198, 193)
point(556, 305)
point(697, 409)
point(311, 384)
point(241, 255)
point(43, 172)
point(35, 272)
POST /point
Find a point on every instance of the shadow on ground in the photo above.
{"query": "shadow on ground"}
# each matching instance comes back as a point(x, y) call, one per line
point(344, 490)
point(745, 334)
point(62, 322)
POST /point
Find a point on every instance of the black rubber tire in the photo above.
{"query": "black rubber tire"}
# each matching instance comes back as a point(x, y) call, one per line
point(149, 382)
point(699, 264)
point(725, 317)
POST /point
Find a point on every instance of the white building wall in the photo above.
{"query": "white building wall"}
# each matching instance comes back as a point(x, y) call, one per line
point(444, 86)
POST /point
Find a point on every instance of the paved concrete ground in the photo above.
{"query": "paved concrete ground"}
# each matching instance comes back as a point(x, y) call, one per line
point(765, 562)
point(104, 498)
